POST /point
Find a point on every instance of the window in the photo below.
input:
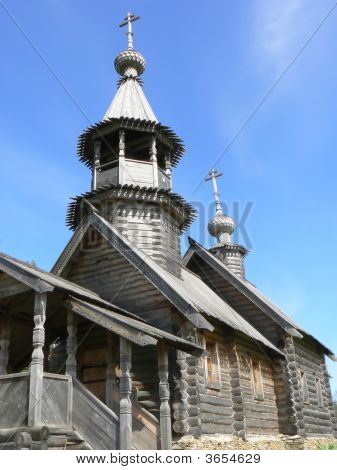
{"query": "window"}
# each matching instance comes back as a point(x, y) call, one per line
point(304, 387)
point(257, 379)
point(212, 365)
point(319, 393)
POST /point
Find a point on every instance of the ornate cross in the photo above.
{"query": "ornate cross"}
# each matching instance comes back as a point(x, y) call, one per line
point(213, 175)
point(128, 20)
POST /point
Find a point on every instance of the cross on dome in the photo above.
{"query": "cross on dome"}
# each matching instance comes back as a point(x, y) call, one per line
point(213, 175)
point(220, 226)
point(128, 20)
point(130, 63)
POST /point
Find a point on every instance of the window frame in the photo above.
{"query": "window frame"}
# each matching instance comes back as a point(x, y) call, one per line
point(319, 390)
point(304, 392)
point(212, 384)
point(257, 382)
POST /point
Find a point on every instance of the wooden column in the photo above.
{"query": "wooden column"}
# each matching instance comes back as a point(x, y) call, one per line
point(168, 169)
point(164, 396)
point(71, 363)
point(5, 333)
point(36, 368)
point(121, 160)
point(153, 159)
point(97, 161)
point(125, 387)
point(111, 361)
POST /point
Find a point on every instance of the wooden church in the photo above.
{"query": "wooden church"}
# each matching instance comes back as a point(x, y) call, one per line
point(126, 344)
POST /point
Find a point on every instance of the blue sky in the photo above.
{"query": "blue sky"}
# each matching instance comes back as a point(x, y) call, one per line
point(209, 65)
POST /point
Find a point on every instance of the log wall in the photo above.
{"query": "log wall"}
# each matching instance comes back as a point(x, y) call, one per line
point(261, 413)
point(314, 407)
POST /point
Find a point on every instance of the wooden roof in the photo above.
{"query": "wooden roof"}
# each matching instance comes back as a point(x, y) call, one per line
point(91, 306)
point(189, 294)
point(248, 290)
point(130, 102)
point(126, 191)
point(134, 330)
point(107, 126)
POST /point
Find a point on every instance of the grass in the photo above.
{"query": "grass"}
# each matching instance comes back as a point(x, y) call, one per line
point(326, 446)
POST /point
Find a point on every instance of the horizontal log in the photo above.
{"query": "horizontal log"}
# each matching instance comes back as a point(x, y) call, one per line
point(217, 419)
point(210, 428)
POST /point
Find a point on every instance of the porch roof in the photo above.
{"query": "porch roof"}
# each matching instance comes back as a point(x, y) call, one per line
point(134, 330)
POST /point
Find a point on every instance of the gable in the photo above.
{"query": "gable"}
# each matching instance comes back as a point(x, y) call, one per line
point(249, 300)
point(187, 294)
point(250, 312)
point(96, 265)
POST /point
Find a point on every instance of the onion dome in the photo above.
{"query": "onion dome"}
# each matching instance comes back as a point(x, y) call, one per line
point(130, 63)
point(221, 226)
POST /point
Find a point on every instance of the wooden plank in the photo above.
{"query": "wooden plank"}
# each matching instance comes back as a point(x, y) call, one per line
point(93, 420)
point(24, 277)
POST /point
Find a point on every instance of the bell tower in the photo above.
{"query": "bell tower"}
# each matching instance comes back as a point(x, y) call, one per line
point(131, 156)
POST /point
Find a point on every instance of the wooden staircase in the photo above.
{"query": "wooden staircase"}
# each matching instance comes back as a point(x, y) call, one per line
point(74, 418)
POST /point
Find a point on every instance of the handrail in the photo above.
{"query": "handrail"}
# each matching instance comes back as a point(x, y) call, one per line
point(105, 409)
point(97, 424)
point(138, 161)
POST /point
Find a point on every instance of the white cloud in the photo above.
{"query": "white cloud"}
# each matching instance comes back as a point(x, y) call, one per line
point(279, 29)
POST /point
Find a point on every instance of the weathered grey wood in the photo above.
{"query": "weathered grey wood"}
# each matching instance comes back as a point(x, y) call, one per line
point(36, 368)
point(5, 333)
point(125, 386)
point(111, 363)
point(56, 407)
point(93, 420)
point(164, 396)
point(153, 160)
point(14, 399)
point(14, 288)
point(23, 441)
point(121, 159)
point(24, 277)
point(97, 158)
point(71, 363)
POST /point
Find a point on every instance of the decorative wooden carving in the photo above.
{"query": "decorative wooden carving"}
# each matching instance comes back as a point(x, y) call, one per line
point(36, 368)
point(125, 386)
point(168, 168)
point(153, 159)
point(97, 159)
point(164, 396)
point(71, 363)
point(121, 156)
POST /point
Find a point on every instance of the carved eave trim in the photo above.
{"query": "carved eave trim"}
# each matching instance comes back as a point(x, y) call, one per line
point(233, 247)
point(182, 208)
point(139, 262)
point(92, 313)
point(22, 276)
point(242, 287)
point(99, 130)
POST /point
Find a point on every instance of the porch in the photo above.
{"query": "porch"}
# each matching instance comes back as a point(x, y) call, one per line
point(37, 307)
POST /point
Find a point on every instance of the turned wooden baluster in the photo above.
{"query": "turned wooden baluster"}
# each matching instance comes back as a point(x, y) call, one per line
point(164, 396)
point(71, 363)
point(125, 387)
point(36, 368)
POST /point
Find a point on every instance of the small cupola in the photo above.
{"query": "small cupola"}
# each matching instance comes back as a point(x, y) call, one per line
point(221, 227)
